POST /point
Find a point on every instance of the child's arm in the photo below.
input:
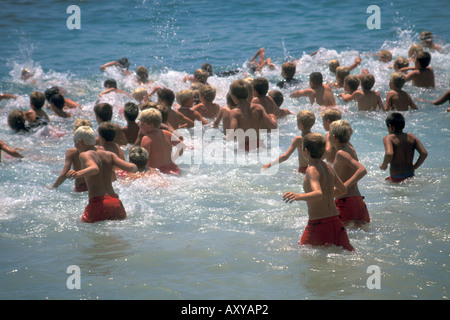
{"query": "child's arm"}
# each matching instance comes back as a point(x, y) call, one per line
point(388, 102)
point(379, 105)
point(422, 153)
point(89, 166)
point(316, 191)
point(360, 171)
point(12, 152)
point(388, 152)
point(200, 118)
point(302, 93)
point(339, 187)
point(7, 96)
point(218, 119)
point(67, 165)
point(443, 99)
point(122, 164)
point(349, 97)
point(355, 64)
point(297, 141)
point(411, 103)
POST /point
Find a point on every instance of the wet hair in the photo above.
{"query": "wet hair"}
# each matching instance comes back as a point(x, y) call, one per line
point(207, 67)
point(333, 64)
point(261, 85)
point(146, 105)
point(367, 81)
point(426, 36)
point(316, 78)
point(142, 74)
point(16, 121)
point(107, 131)
point(398, 78)
point(139, 93)
point(151, 116)
point(396, 120)
point(414, 50)
point(208, 93)
point(131, 111)
point(277, 96)
point(166, 95)
point(138, 156)
point(50, 91)
point(37, 99)
point(331, 114)
point(104, 111)
point(424, 58)
point(289, 68)
point(184, 96)
point(400, 62)
point(124, 63)
point(201, 75)
point(85, 134)
point(342, 130)
point(306, 118)
point(239, 89)
point(110, 83)
point(385, 55)
point(315, 144)
point(342, 72)
point(80, 123)
point(58, 100)
point(352, 81)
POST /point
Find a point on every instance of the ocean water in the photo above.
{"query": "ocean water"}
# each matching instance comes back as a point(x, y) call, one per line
point(220, 230)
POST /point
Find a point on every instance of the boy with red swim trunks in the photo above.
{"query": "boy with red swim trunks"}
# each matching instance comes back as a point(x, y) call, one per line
point(320, 184)
point(351, 205)
point(96, 169)
point(399, 150)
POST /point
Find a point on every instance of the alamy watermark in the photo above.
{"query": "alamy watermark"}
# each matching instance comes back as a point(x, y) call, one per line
point(74, 21)
point(374, 21)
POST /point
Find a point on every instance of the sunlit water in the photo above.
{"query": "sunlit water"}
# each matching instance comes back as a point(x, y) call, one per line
point(221, 231)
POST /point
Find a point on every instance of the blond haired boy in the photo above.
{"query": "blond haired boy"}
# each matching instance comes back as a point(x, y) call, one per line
point(398, 99)
point(185, 98)
point(207, 108)
point(158, 142)
point(351, 205)
point(305, 121)
point(324, 226)
point(328, 117)
point(366, 98)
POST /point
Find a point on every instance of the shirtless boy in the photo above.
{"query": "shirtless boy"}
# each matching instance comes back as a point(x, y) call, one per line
point(37, 114)
point(367, 99)
point(224, 114)
point(185, 98)
point(422, 75)
point(176, 119)
point(158, 142)
point(247, 116)
point(328, 117)
point(96, 169)
point(11, 151)
point(399, 150)
point(318, 92)
point(207, 108)
point(305, 121)
point(260, 89)
point(398, 99)
point(351, 205)
point(104, 113)
point(324, 225)
point(131, 130)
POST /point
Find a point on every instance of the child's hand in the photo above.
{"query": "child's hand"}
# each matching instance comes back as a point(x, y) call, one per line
point(289, 197)
point(72, 174)
point(383, 166)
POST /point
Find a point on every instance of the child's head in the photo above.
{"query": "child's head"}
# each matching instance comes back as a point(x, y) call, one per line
point(37, 100)
point(341, 73)
point(80, 123)
point(333, 64)
point(315, 79)
point(230, 102)
point(329, 116)
point(315, 144)
point(342, 130)
point(261, 85)
point(142, 74)
point(395, 121)
point(50, 91)
point(207, 67)
point(414, 50)
point(201, 75)
point(107, 131)
point(138, 156)
point(385, 56)
point(185, 98)
point(305, 120)
point(110, 83)
point(16, 120)
point(124, 63)
point(103, 111)
point(166, 96)
point(400, 62)
point(352, 82)
point(367, 81)
point(85, 134)
point(146, 105)
point(288, 70)
point(151, 116)
point(208, 93)
point(426, 38)
point(398, 79)
point(423, 58)
point(130, 111)
point(58, 101)
point(277, 96)
point(239, 89)
point(139, 93)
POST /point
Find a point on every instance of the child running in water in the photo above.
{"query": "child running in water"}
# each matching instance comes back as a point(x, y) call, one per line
point(398, 99)
point(351, 205)
point(305, 121)
point(324, 225)
point(399, 150)
point(96, 168)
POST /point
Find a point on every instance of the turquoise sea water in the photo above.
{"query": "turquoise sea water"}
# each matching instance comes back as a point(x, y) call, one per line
point(219, 231)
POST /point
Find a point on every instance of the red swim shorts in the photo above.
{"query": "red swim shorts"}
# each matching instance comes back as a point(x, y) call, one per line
point(352, 208)
point(326, 232)
point(170, 169)
point(104, 208)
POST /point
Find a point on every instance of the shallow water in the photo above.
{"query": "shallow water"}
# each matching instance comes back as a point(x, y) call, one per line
point(218, 231)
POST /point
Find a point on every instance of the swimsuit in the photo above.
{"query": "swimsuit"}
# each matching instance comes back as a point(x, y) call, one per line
point(171, 168)
point(81, 188)
point(400, 177)
point(352, 208)
point(105, 207)
point(302, 169)
point(326, 232)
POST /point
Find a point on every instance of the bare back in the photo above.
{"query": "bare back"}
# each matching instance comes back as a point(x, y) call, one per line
point(158, 144)
point(370, 100)
point(403, 145)
point(323, 96)
point(398, 100)
point(100, 183)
